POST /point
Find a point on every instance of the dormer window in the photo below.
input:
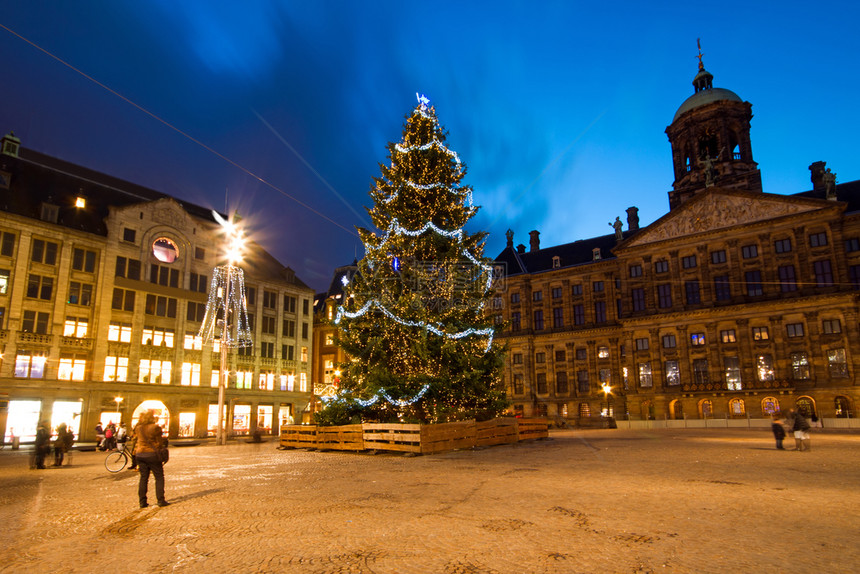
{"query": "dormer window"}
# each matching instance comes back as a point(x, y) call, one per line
point(49, 212)
point(9, 144)
point(556, 262)
point(595, 254)
point(80, 202)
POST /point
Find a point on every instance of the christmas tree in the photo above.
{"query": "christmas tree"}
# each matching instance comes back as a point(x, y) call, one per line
point(413, 325)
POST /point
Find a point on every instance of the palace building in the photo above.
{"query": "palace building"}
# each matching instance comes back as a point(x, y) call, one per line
point(104, 285)
point(735, 303)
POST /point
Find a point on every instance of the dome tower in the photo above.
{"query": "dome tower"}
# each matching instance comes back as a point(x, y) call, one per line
point(710, 138)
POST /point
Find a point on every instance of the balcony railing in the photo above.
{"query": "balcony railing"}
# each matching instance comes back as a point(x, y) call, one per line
point(76, 342)
point(722, 386)
point(27, 337)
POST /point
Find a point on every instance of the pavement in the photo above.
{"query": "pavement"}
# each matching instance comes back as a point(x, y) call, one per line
point(617, 501)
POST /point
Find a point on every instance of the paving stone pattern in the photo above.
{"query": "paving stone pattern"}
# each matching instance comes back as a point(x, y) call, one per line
point(582, 501)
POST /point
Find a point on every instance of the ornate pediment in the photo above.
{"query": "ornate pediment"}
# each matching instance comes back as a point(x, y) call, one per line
point(720, 210)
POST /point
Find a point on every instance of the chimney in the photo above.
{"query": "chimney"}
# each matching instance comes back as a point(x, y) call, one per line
point(632, 218)
point(521, 248)
point(534, 240)
point(816, 175)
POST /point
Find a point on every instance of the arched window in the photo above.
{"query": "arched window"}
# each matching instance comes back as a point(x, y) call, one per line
point(805, 406)
point(770, 406)
point(706, 408)
point(842, 407)
point(736, 407)
point(584, 410)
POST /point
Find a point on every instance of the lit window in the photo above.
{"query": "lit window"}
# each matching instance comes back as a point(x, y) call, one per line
point(760, 334)
point(193, 342)
point(191, 374)
point(30, 365)
point(697, 339)
point(165, 250)
point(75, 327)
point(602, 352)
point(72, 368)
point(119, 332)
point(80, 202)
point(116, 369)
point(154, 371)
point(728, 336)
point(303, 382)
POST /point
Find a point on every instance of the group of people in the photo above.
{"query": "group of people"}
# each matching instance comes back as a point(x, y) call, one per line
point(797, 424)
point(42, 448)
point(108, 437)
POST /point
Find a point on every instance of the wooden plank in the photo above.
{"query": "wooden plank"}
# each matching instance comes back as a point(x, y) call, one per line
point(345, 437)
point(298, 436)
point(392, 436)
point(447, 436)
point(528, 429)
point(496, 431)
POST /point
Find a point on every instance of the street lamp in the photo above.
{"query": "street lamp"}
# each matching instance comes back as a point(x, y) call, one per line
point(607, 389)
point(226, 309)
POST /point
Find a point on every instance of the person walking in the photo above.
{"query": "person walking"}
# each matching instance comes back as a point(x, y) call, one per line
point(42, 445)
point(800, 427)
point(778, 432)
point(62, 444)
point(149, 441)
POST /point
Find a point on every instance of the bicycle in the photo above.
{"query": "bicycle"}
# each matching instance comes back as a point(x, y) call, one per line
point(117, 460)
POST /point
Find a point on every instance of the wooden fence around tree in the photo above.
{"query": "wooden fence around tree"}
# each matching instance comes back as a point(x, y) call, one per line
point(414, 438)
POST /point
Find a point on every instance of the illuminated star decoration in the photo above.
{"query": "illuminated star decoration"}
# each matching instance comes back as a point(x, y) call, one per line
point(422, 101)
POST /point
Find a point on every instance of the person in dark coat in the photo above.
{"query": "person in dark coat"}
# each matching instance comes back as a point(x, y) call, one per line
point(778, 432)
point(43, 444)
point(62, 444)
point(800, 427)
point(149, 440)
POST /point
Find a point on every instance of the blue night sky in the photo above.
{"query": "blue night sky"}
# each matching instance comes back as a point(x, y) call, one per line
point(557, 108)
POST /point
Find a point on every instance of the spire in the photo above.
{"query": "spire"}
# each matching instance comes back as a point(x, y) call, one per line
point(704, 79)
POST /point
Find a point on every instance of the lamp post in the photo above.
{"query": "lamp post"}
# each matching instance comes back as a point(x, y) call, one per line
point(227, 299)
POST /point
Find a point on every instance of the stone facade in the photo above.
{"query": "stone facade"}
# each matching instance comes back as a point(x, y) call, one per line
point(106, 284)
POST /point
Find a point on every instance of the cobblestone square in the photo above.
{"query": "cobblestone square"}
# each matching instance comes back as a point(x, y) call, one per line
point(581, 501)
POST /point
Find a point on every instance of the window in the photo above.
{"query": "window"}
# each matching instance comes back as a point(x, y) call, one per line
point(4, 281)
point(266, 382)
point(72, 367)
point(270, 300)
point(602, 352)
point(794, 329)
point(199, 253)
point(154, 371)
point(83, 260)
point(581, 354)
point(760, 334)
point(195, 312)
point(44, 252)
point(556, 292)
point(576, 290)
point(853, 276)
point(267, 349)
point(119, 332)
point(75, 327)
point(749, 251)
point(540, 383)
point(304, 354)
point(732, 367)
point(288, 328)
point(304, 328)
point(836, 363)
point(128, 235)
point(736, 407)
point(852, 244)
point(165, 276)
point(165, 250)
point(831, 326)
point(664, 296)
point(578, 314)
point(160, 306)
point(823, 273)
point(561, 382)
point(35, 322)
point(128, 268)
point(538, 320)
point(244, 379)
point(728, 336)
point(157, 337)
point(80, 293)
point(638, 297)
point(116, 369)
point(799, 366)
point(515, 321)
point(287, 352)
point(722, 291)
point(764, 368)
point(645, 375)
point(193, 342)
point(39, 287)
point(268, 325)
point(518, 358)
point(661, 266)
point(669, 342)
point(597, 286)
point(198, 282)
point(582, 381)
point(305, 307)
point(642, 344)
point(29, 364)
point(289, 304)
point(600, 312)
point(700, 371)
point(7, 244)
point(190, 375)
point(519, 388)
point(540, 358)
point(558, 317)
point(753, 280)
point(817, 239)
point(636, 271)
point(329, 339)
point(560, 356)
point(688, 262)
point(605, 377)
point(782, 245)
point(718, 256)
point(556, 262)
point(673, 373)
point(787, 278)
point(691, 288)
point(515, 298)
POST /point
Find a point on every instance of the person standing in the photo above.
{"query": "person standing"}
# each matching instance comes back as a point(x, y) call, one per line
point(42, 445)
point(778, 432)
point(800, 427)
point(149, 441)
point(100, 436)
point(62, 444)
